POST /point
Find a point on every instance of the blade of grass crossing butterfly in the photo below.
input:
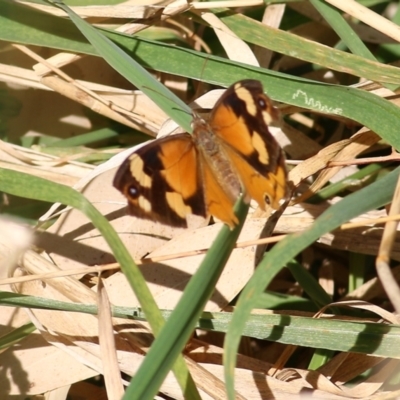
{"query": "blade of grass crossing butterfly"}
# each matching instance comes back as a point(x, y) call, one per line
point(180, 325)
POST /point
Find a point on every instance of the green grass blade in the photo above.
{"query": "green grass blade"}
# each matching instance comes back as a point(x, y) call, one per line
point(358, 178)
point(343, 29)
point(180, 325)
point(32, 187)
point(309, 284)
point(335, 19)
point(185, 62)
point(133, 71)
point(361, 337)
point(375, 195)
point(16, 335)
point(292, 45)
point(28, 186)
point(19, 25)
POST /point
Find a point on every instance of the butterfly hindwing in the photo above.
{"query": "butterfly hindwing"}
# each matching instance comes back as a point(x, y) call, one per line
point(162, 181)
point(218, 202)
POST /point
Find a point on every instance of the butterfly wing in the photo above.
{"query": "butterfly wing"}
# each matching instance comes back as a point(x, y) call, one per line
point(218, 203)
point(240, 120)
point(162, 181)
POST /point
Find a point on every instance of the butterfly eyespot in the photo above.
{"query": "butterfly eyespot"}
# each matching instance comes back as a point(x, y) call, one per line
point(133, 191)
point(262, 103)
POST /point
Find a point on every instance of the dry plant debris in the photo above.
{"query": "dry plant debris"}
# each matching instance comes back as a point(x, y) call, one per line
point(52, 96)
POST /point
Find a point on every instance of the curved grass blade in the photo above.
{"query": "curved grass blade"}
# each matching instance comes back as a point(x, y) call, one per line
point(255, 32)
point(375, 195)
point(132, 71)
point(182, 322)
point(32, 187)
point(22, 25)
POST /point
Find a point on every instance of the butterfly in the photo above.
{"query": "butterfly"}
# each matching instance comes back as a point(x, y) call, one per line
point(204, 174)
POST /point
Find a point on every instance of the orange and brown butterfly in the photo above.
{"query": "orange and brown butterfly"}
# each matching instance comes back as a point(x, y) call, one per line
point(205, 173)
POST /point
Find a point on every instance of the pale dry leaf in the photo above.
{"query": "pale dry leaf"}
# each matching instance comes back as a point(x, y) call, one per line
point(295, 143)
point(363, 305)
point(36, 264)
point(26, 368)
point(257, 386)
point(133, 104)
point(364, 239)
point(235, 48)
point(225, 3)
point(326, 278)
point(360, 240)
point(335, 363)
point(360, 391)
point(372, 288)
point(346, 149)
point(18, 77)
point(316, 163)
point(376, 88)
point(206, 101)
point(385, 250)
point(73, 241)
point(55, 61)
point(375, 380)
point(62, 83)
point(167, 280)
point(368, 16)
point(344, 367)
point(60, 393)
point(116, 11)
point(171, 8)
point(112, 374)
point(300, 216)
point(71, 91)
point(386, 395)
point(207, 353)
point(208, 382)
point(358, 143)
point(76, 334)
point(13, 244)
point(42, 165)
point(364, 32)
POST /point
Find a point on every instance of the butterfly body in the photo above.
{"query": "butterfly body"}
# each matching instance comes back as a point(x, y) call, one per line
point(205, 173)
point(212, 155)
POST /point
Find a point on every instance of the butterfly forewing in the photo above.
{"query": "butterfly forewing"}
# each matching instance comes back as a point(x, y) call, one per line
point(239, 120)
point(162, 181)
